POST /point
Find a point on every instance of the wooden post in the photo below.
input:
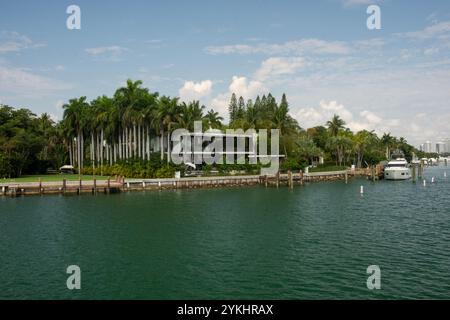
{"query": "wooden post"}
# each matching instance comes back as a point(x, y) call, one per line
point(414, 173)
point(301, 177)
point(79, 186)
point(3, 190)
point(278, 179)
point(109, 185)
point(95, 186)
point(266, 180)
point(40, 185)
point(446, 162)
point(346, 177)
point(291, 180)
point(64, 186)
point(421, 169)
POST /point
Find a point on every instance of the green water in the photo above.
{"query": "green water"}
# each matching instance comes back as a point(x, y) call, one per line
point(314, 242)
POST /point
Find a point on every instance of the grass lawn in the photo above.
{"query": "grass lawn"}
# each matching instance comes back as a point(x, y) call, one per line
point(52, 177)
point(327, 168)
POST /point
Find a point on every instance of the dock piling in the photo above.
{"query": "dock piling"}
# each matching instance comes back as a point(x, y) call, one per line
point(291, 180)
point(40, 186)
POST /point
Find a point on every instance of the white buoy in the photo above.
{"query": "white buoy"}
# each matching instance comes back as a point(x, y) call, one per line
point(445, 174)
point(362, 190)
point(432, 179)
point(424, 183)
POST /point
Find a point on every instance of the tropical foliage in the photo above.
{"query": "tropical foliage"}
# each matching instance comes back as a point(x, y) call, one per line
point(127, 134)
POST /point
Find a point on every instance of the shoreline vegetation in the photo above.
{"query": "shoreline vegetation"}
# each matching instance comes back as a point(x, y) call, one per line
point(126, 135)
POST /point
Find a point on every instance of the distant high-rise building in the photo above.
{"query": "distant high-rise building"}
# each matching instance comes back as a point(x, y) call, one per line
point(447, 145)
point(440, 147)
point(427, 147)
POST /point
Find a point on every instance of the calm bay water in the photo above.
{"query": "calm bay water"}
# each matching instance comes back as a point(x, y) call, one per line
point(314, 242)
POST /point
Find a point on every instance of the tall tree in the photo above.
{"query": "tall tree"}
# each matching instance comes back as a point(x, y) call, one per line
point(233, 108)
point(335, 124)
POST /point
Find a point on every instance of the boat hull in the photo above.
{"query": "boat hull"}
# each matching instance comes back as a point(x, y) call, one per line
point(397, 174)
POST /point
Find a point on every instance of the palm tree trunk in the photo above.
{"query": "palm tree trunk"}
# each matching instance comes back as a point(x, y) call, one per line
point(93, 151)
point(119, 149)
point(82, 150)
point(139, 140)
point(134, 140)
point(70, 154)
point(130, 143)
point(126, 142)
point(102, 147)
point(148, 143)
point(161, 140)
point(168, 146)
point(79, 152)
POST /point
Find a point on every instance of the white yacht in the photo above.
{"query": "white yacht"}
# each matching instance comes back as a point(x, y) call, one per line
point(397, 170)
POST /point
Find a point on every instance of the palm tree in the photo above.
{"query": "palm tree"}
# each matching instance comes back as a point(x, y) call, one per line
point(74, 116)
point(189, 113)
point(213, 119)
point(168, 112)
point(281, 120)
point(389, 143)
point(130, 99)
point(335, 124)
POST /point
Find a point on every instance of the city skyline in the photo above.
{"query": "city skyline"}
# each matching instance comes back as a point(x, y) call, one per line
point(321, 55)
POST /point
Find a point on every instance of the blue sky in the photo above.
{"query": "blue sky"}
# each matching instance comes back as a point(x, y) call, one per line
point(320, 53)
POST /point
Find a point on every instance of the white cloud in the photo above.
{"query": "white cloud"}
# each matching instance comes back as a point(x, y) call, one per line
point(296, 47)
point(25, 83)
point(349, 3)
point(195, 90)
point(279, 66)
point(439, 30)
point(241, 86)
point(11, 41)
point(364, 120)
point(112, 53)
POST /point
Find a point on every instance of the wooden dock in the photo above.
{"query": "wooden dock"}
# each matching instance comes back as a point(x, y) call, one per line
point(119, 184)
point(62, 187)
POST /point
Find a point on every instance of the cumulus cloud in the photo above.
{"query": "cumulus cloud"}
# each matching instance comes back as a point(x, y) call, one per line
point(195, 90)
point(241, 86)
point(364, 120)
